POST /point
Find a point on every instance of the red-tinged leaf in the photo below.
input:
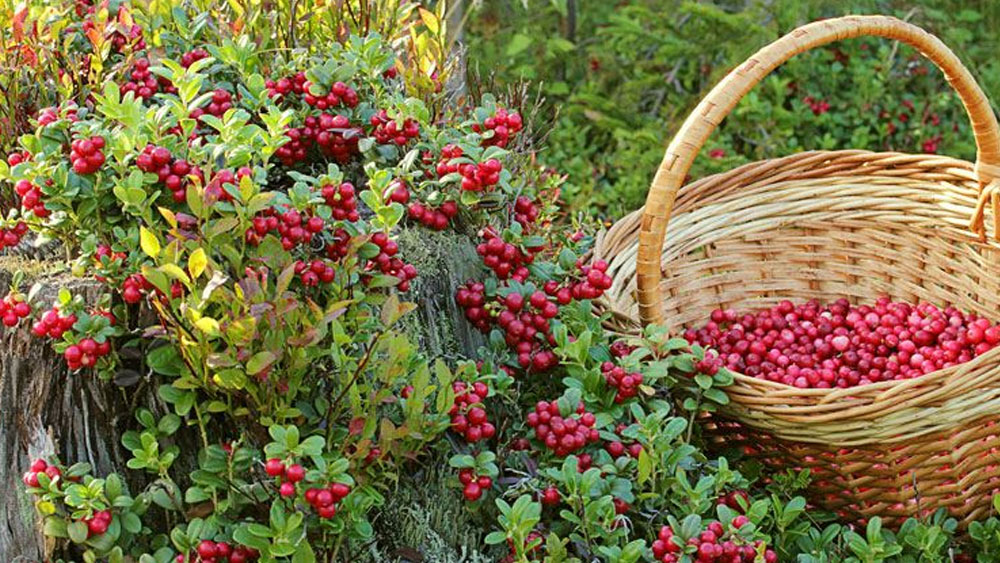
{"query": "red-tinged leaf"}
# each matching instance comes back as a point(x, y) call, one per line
point(356, 426)
point(125, 17)
point(17, 24)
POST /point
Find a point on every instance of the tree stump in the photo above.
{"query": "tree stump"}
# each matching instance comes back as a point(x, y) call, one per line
point(46, 410)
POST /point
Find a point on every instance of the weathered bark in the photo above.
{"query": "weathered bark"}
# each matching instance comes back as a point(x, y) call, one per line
point(45, 410)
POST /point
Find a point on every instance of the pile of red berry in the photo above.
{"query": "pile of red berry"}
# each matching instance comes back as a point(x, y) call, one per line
point(11, 236)
point(340, 94)
point(343, 205)
point(193, 56)
point(85, 353)
point(13, 308)
point(504, 258)
point(171, 172)
point(840, 345)
point(818, 107)
point(468, 417)
point(30, 478)
point(386, 131)
point(31, 198)
point(324, 499)
point(626, 383)
point(563, 435)
point(86, 155)
point(712, 545)
point(312, 273)
point(431, 218)
point(445, 165)
point(471, 297)
point(387, 263)
point(474, 485)
point(498, 129)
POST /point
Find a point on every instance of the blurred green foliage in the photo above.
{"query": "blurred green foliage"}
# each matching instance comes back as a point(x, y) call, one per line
point(620, 77)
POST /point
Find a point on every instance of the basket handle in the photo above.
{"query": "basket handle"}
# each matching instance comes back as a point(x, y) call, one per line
point(723, 98)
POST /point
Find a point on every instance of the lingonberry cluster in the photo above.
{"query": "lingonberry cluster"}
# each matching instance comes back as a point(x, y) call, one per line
point(312, 273)
point(341, 200)
point(626, 383)
point(338, 244)
point(193, 56)
point(397, 192)
point(15, 158)
point(471, 297)
point(216, 189)
point(11, 236)
point(221, 102)
point(209, 551)
point(480, 177)
point(172, 172)
point(144, 84)
point(474, 485)
point(334, 135)
point(818, 107)
point(840, 345)
point(53, 324)
point(86, 155)
point(433, 218)
point(134, 287)
point(85, 353)
point(498, 129)
point(533, 536)
point(563, 435)
point(712, 544)
point(38, 466)
point(550, 496)
point(31, 198)
point(525, 211)
point(387, 131)
point(506, 259)
point(595, 281)
point(468, 417)
point(13, 308)
point(527, 329)
point(286, 475)
point(325, 499)
point(278, 89)
point(387, 263)
point(293, 227)
point(340, 94)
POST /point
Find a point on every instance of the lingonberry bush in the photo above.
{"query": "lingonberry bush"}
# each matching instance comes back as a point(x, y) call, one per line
point(240, 214)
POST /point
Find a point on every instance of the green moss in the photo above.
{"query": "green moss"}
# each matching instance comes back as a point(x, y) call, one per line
point(428, 520)
point(444, 261)
point(33, 269)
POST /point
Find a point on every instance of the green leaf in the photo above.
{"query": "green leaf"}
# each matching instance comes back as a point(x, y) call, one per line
point(77, 532)
point(517, 44)
point(304, 553)
point(259, 362)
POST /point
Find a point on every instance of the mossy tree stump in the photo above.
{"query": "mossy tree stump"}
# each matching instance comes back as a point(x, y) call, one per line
point(46, 410)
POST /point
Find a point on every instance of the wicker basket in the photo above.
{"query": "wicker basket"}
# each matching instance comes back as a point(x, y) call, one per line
point(824, 225)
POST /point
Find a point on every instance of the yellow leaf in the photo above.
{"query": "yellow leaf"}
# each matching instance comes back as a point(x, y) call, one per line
point(169, 216)
point(197, 262)
point(148, 242)
point(430, 20)
point(208, 325)
point(175, 271)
